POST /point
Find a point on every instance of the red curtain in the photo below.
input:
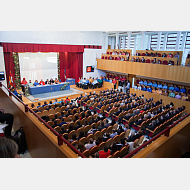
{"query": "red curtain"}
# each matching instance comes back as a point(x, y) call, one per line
point(23, 47)
point(73, 63)
point(9, 66)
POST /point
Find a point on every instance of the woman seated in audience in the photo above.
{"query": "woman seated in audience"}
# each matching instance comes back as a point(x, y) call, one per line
point(152, 54)
point(178, 96)
point(170, 55)
point(184, 97)
point(104, 153)
point(149, 83)
point(81, 134)
point(123, 53)
point(159, 91)
point(164, 55)
point(159, 85)
point(146, 54)
point(154, 90)
point(171, 94)
point(122, 58)
point(154, 61)
point(127, 56)
point(36, 83)
point(42, 82)
point(110, 58)
point(182, 90)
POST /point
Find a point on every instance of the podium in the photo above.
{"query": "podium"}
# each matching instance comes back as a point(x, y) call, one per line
point(71, 80)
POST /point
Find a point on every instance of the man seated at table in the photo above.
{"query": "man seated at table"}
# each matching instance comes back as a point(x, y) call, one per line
point(51, 81)
point(47, 82)
point(56, 81)
point(86, 83)
point(78, 81)
point(30, 84)
point(42, 82)
point(143, 60)
point(36, 83)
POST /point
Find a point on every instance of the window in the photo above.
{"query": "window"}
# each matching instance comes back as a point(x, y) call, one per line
point(132, 43)
point(154, 41)
point(187, 42)
point(121, 42)
point(126, 41)
point(171, 40)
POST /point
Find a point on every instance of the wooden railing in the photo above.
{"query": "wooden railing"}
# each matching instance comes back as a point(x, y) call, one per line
point(166, 72)
point(60, 139)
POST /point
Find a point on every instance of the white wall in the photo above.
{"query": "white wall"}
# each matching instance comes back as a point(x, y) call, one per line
point(53, 37)
point(2, 65)
point(89, 59)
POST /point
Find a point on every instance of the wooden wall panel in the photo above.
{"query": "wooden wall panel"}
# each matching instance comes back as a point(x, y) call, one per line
point(40, 141)
point(166, 72)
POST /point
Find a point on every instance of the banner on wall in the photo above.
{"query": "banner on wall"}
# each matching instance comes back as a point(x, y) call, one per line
point(10, 79)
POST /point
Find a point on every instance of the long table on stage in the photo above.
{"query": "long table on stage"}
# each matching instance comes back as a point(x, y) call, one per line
point(47, 88)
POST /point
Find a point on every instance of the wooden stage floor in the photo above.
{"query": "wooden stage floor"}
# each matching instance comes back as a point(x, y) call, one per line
point(27, 101)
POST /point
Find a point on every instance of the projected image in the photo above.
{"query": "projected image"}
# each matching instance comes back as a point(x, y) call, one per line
point(89, 68)
point(2, 76)
point(37, 66)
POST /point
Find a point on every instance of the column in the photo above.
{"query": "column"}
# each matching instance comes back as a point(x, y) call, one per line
point(142, 40)
point(159, 40)
point(165, 41)
point(129, 40)
point(106, 41)
point(117, 40)
point(148, 45)
point(177, 41)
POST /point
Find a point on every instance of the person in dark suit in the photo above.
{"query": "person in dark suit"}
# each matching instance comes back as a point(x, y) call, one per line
point(51, 81)
point(120, 130)
point(133, 137)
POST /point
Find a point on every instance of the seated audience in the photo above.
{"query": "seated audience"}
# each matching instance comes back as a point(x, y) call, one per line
point(154, 61)
point(178, 96)
point(182, 90)
point(143, 60)
point(171, 94)
point(90, 144)
point(184, 97)
point(104, 153)
point(170, 55)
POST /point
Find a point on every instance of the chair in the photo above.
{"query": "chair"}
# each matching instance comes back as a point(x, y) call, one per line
point(41, 109)
point(116, 139)
point(71, 134)
point(45, 112)
point(106, 57)
point(58, 128)
point(135, 143)
point(102, 57)
point(116, 154)
point(65, 126)
point(140, 140)
point(94, 149)
point(74, 143)
point(101, 146)
point(89, 137)
point(96, 135)
point(86, 153)
point(78, 131)
point(165, 62)
point(115, 126)
point(127, 133)
point(109, 129)
point(82, 140)
point(58, 121)
point(122, 135)
point(51, 111)
point(110, 156)
point(40, 114)
point(58, 114)
point(63, 108)
point(124, 151)
point(57, 109)
point(109, 142)
point(102, 132)
point(87, 128)
point(115, 58)
point(148, 61)
point(51, 123)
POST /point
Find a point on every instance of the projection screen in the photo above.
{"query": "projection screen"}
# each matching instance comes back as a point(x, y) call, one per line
point(37, 66)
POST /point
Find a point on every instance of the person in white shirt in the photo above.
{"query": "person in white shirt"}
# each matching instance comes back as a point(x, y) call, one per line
point(122, 59)
point(90, 144)
point(139, 87)
point(113, 53)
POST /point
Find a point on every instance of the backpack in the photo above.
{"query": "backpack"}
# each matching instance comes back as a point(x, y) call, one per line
point(20, 135)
